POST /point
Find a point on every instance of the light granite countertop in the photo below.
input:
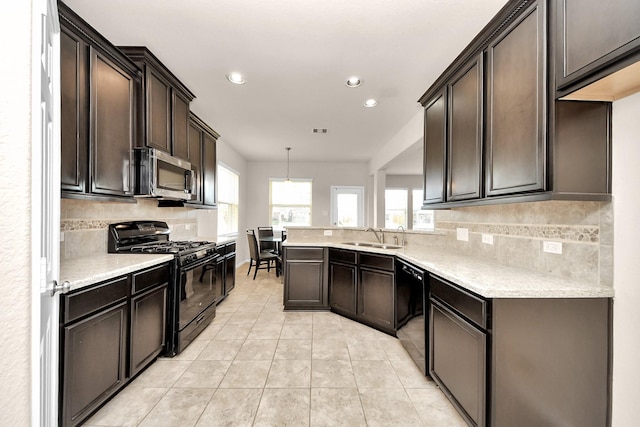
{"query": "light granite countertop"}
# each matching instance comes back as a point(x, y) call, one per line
point(82, 272)
point(483, 277)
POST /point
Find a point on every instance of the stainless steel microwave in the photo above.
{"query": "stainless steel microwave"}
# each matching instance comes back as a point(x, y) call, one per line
point(159, 174)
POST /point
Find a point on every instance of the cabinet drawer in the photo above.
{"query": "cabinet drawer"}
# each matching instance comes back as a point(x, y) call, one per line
point(383, 262)
point(87, 301)
point(150, 278)
point(339, 255)
point(230, 248)
point(470, 306)
point(305, 254)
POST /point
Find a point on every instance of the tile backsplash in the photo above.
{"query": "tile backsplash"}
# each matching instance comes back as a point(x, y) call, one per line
point(585, 230)
point(83, 223)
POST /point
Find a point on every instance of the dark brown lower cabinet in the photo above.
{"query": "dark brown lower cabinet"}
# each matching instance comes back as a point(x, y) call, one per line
point(148, 327)
point(94, 348)
point(458, 349)
point(551, 362)
point(225, 277)
point(362, 287)
point(305, 278)
point(230, 271)
point(376, 290)
point(109, 333)
point(523, 362)
point(342, 295)
point(342, 281)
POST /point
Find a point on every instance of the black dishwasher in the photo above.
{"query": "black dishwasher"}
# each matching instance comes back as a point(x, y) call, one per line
point(412, 329)
point(459, 325)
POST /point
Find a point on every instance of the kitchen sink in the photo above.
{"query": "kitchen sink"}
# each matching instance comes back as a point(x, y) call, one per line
point(373, 245)
point(385, 246)
point(359, 243)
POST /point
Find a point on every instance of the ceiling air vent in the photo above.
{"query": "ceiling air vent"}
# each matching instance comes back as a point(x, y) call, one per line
point(318, 130)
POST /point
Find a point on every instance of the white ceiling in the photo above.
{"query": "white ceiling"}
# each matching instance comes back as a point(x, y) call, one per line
point(296, 56)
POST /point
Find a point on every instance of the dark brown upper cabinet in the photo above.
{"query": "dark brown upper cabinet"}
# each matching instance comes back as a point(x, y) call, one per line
point(464, 136)
point(507, 137)
point(434, 148)
point(164, 105)
point(97, 113)
point(195, 158)
point(516, 109)
point(203, 157)
point(593, 40)
point(74, 121)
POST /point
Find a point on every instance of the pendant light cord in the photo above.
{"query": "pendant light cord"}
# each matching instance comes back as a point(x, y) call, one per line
point(288, 149)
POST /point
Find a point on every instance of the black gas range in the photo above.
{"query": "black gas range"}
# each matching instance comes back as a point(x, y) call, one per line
point(194, 287)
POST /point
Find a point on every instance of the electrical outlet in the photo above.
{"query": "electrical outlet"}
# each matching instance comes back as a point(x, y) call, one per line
point(187, 226)
point(487, 239)
point(462, 234)
point(328, 232)
point(552, 247)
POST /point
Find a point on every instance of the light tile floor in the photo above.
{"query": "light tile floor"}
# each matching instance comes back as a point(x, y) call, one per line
point(256, 365)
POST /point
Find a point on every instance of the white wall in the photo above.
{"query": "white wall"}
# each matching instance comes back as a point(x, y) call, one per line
point(15, 213)
point(406, 137)
point(324, 175)
point(626, 270)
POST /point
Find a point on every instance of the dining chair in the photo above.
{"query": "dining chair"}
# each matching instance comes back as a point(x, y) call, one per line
point(259, 257)
point(267, 246)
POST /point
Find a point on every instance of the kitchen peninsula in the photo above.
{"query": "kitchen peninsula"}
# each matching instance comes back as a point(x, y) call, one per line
point(542, 337)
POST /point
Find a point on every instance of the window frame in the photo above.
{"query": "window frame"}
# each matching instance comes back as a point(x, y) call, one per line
point(279, 226)
point(221, 201)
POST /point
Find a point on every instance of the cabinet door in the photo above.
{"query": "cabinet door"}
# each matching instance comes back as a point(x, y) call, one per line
point(218, 279)
point(74, 106)
point(93, 362)
point(180, 127)
point(230, 277)
point(305, 284)
point(434, 149)
point(195, 158)
point(376, 298)
point(148, 324)
point(591, 34)
point(158, 111)
point(112, 107)
point(516, 110)
point(464, 138)
point(458, 361)
point(209, 170)
point(342, 288)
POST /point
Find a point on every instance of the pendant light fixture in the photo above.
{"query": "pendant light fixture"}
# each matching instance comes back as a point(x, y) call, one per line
point(288, 150)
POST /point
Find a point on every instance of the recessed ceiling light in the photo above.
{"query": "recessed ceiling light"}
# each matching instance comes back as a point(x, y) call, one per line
point(236, 78)
point(353, 81)
point(370, 103)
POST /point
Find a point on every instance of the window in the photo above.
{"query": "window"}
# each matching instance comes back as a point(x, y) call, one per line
point(289, 202)
point(395, 208)
point(422, 219)
point(228, 189)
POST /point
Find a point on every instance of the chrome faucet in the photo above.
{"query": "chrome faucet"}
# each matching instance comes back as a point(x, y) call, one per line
point(379, 238)
point(404, 242)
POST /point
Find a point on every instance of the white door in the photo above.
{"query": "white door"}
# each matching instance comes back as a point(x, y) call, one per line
point(347, 206)
point(45, 221)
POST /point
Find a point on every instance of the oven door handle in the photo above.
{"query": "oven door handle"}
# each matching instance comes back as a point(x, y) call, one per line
point(200, 263)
